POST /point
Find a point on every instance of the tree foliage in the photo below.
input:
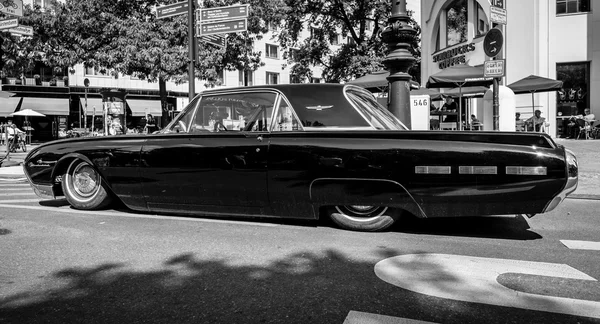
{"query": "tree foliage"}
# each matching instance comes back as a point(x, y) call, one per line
point(124, 37)
point(328, 22)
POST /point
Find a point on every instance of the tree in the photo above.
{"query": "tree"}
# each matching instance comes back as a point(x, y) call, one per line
point(358, 21)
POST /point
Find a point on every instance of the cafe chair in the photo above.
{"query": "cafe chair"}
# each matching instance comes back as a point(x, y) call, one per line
point(544, 127)
point(585, 128)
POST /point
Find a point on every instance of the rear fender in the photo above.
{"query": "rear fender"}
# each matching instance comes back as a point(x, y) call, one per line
point(356, 191)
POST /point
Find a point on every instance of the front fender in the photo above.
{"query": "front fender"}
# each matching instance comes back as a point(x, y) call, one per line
point(357, 191)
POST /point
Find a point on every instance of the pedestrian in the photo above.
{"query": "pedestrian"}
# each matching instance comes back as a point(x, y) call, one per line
point(150, 124)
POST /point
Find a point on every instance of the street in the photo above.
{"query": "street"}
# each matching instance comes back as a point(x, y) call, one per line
point(60, 265)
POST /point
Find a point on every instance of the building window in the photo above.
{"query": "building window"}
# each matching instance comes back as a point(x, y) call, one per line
point(271, 26)
point(271, 51)
point(482, 21)
point(572, 6)
point(573, 98)
point(246, 78)
point(456, 22)
point(315, 80)
point(91, 71)
point(272, 78)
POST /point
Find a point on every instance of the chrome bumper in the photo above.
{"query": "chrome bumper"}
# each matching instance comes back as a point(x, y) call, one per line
point(43, 191)
point(572, 180)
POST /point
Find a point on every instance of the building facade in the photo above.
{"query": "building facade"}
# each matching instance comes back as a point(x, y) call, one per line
point(556, 39)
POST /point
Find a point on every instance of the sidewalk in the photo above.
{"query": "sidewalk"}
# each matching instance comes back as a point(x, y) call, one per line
point(587, 152)
point(15, 169)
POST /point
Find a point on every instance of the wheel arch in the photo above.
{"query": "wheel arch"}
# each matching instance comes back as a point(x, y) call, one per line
point(325, 192)
point(61, 168)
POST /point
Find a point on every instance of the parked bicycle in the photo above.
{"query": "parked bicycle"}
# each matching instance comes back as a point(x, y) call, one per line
point(18, 142)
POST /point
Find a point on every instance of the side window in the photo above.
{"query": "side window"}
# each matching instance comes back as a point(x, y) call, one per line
point(286, 119)
point(250, 111)
point(182, 121)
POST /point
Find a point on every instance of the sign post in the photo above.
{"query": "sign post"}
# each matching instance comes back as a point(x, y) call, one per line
point(492, 46)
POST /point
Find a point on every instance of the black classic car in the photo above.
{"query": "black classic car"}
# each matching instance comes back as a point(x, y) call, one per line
point(302, 151)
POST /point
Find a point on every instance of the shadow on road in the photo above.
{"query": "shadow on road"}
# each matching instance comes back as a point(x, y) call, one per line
point(300, 288)
point(513, 228)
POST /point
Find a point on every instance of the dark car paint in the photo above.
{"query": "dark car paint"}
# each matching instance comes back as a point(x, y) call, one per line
point(291, 174)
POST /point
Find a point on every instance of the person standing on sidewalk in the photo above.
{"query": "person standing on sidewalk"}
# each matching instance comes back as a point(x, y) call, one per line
point(13, 133)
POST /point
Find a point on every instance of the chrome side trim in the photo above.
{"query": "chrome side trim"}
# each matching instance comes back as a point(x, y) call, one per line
point(427, 169)
point(477, 170)
point(526, 170)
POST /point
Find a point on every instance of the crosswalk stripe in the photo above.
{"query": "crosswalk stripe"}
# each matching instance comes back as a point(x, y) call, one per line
point(14, 201)
point(355, 317)
point(581, 245)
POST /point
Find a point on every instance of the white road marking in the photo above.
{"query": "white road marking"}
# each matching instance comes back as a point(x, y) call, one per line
point(581, 245)
point(68, 209)
point(355, 317)
point(12, 185)
point(14, 201)
point(18, 189)
point(13, 180)
point(17, 194)
point(474, 279)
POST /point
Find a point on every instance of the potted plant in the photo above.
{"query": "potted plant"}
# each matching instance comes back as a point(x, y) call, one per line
point(53, 81)
point(38, 79)
point(66, 80)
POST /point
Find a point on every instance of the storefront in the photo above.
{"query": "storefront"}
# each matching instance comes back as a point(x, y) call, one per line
point(548, 38)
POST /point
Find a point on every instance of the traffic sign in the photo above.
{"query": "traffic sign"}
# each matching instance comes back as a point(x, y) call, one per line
point(498, 15)
point(12, 7)
point(223, 27)
point(217, 40)
point(9, 23)
point(494, 68)
point(171, 10)
point(493, 41)
point(498, 3)
point(22, 30)
point(223, 13)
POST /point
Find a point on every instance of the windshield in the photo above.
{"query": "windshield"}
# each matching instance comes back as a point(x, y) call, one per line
point(377, 115)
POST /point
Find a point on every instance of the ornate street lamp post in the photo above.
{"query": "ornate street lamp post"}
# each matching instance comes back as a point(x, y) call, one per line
point(398, 35)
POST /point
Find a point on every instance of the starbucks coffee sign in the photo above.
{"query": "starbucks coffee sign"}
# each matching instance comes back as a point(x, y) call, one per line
point(453, 56)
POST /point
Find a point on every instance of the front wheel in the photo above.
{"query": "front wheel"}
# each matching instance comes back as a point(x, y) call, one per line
point(364, 218)
point(83, 187)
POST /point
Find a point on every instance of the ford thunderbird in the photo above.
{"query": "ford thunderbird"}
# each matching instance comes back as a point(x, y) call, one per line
point(306, 151)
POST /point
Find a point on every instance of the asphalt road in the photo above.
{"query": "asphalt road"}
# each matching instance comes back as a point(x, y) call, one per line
point(59, 265)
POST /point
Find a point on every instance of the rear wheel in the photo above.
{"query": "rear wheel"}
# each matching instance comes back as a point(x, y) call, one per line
point(364, 218)
point(83, 187)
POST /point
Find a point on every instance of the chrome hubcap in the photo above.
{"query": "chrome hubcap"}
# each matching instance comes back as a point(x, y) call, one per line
point(85, 180)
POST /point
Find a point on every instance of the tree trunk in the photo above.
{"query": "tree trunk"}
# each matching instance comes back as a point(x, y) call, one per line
point(162, 90)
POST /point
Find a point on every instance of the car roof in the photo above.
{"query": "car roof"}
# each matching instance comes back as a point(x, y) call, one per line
point(281, 87)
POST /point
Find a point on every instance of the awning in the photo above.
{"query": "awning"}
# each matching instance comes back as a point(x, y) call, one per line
point(140, 108)
point(91, 103)
point(8, 106)
point(47, 106)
